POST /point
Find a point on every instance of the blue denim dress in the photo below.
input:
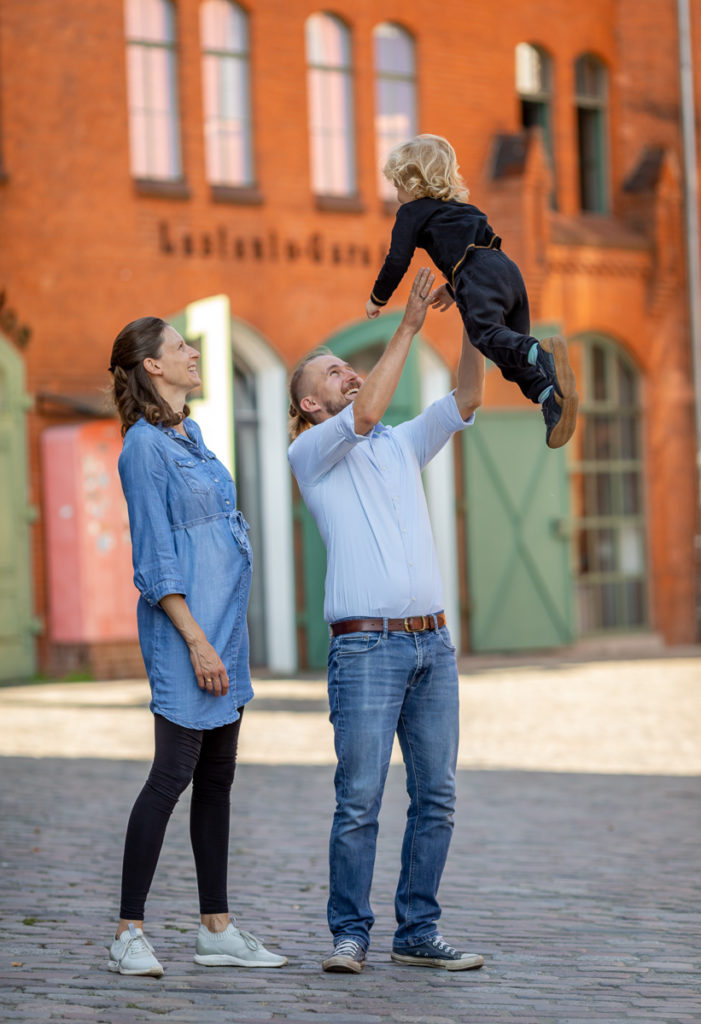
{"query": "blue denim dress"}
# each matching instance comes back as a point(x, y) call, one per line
point(187, 538)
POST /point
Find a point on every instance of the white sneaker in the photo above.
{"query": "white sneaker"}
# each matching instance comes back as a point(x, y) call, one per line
point(233, 948)
point(132, 953)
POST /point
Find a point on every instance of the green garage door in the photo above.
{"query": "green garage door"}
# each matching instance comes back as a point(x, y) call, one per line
point(17, 626)
point(518, 548)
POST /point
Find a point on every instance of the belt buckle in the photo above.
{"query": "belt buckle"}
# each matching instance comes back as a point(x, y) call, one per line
point(422, 627)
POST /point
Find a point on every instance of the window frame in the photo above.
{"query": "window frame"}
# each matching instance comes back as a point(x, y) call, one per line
point(410, 78)
point(244, 188)
point(144, 168)
point(322, 187)
point(603, 480)
point(591, 120)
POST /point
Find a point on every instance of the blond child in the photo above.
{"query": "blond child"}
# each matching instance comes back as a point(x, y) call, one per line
point(484, 283)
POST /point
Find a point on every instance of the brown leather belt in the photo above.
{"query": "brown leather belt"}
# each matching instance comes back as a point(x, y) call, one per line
point(413, 624)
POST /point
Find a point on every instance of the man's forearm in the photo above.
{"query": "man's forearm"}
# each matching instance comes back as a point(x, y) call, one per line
point(380, 384)
point(469, 392)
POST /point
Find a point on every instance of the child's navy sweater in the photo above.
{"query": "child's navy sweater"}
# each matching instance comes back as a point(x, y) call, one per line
point(443, 227)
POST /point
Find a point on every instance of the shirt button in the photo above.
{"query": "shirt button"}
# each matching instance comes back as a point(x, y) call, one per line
point(227, 502)
point(216, 479)
point(411, 563)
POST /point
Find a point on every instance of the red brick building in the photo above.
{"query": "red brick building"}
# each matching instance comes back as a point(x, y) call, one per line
point(217, 164)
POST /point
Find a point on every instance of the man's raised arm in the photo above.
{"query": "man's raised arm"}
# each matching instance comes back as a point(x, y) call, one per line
point(469, 392)
point(377, 390)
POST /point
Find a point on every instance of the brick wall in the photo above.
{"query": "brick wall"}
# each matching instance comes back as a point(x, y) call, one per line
point(82, 252)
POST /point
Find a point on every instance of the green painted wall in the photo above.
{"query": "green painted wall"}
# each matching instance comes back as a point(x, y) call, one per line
point(17, 626)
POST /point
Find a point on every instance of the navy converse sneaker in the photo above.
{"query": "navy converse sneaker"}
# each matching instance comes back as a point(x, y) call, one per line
point(436, 952)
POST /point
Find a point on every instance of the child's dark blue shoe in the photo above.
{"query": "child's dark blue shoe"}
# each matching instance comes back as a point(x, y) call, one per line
point(551, 360)
point(561, 404)
point(560, 415)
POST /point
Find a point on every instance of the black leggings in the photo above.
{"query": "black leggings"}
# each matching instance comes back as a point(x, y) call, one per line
point(208, 759)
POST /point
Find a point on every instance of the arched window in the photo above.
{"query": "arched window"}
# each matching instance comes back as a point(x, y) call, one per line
point(534, 87)
point(608, 490)
point(226, 90)
point(591, 98)
point(395, 93)
point(153, 94)
point(329, 76)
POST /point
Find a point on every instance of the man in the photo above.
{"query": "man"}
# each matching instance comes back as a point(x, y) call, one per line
point(392, 664)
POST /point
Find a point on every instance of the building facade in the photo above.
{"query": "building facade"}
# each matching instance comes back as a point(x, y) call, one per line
point(217, 164)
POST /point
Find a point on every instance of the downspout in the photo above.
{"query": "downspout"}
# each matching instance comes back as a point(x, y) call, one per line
point(691, 205)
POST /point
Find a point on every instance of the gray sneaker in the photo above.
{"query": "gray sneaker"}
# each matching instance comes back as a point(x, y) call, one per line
point(348, 957)
point(132, 953)
point(233, 948)
point(436, 952)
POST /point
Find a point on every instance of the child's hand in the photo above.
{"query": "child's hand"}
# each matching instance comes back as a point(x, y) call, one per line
point(371, 310)
point(441, 298)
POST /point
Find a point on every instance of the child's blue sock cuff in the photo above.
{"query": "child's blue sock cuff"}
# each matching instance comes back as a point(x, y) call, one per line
point(533, 353)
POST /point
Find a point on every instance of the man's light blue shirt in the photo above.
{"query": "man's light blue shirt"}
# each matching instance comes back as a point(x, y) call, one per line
point(366, 495)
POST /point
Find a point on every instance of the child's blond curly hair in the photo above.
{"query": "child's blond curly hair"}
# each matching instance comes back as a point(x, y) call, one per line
point(426, 166)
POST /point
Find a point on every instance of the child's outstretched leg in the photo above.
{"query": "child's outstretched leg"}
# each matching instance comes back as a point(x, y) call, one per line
point(493, 304)
point(559, 399)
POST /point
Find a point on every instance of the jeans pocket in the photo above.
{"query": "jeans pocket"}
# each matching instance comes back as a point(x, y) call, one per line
point(355, 643)
point(446, 640)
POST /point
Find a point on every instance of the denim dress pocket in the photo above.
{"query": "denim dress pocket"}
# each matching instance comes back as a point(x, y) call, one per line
point(194, 474)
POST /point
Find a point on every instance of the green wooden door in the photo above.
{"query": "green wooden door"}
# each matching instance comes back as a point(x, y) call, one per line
point(17, 626)
point(518, 550)
point(361, 345)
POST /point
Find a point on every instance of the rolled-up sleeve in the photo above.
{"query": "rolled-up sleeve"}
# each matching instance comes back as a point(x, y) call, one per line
point(432, 429)
point(144, 477)
point(319, 448)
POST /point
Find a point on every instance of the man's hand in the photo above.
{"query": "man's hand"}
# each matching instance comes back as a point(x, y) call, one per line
point(380, 384)
point(441, 299)
point(371, 310)
point(419, 299)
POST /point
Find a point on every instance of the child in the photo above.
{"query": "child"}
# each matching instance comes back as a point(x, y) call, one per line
point(486, 285)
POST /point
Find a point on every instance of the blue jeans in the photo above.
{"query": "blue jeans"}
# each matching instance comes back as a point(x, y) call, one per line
point(381, 684)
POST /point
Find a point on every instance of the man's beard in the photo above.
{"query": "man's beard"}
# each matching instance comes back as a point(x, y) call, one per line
point(333, 407)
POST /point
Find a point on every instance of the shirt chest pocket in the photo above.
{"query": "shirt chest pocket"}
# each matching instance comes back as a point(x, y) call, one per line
point(195, 474)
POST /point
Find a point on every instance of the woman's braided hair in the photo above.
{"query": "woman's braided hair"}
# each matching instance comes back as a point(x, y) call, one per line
point(133, 390)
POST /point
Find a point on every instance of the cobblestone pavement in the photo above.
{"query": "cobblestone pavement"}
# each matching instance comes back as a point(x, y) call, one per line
point(574, 867)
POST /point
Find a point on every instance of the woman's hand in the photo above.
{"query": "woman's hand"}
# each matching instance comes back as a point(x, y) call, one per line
point(441, 298)
point(209, 668)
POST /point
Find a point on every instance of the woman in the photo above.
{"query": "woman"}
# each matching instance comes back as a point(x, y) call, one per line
point(192, 566)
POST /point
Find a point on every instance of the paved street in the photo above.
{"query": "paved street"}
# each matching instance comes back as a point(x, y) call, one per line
point(574, 867)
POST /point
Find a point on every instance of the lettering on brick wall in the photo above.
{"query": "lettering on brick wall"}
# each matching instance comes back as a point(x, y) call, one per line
point(266, 247)
point(10, 324)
